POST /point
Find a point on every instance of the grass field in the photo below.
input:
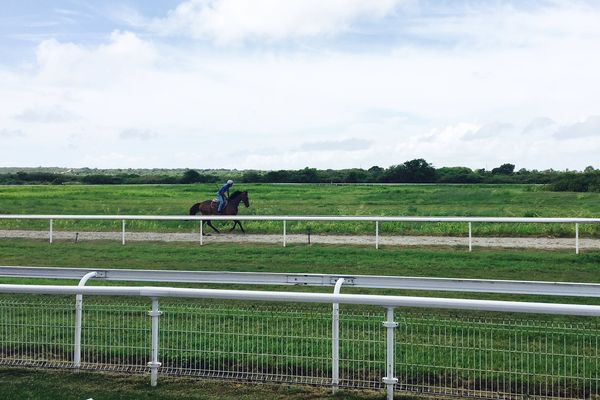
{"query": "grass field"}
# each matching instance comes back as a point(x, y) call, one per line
point(437, 262)
point(54, 385)
point(419, 200)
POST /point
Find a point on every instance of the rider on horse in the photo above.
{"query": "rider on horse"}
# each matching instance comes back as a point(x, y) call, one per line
point(221, 195)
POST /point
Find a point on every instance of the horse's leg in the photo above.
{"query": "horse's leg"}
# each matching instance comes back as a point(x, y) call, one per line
point(203, 231)
point(237, 222)
point(211, 225)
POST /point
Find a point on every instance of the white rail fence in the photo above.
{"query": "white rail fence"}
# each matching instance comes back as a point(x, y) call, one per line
point(377, 220)
point(370, 346)
point(572, 289)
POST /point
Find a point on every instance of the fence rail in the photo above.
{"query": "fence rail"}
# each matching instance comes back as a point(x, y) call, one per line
point(481, 357)
point(573, 289)
point(377, 220)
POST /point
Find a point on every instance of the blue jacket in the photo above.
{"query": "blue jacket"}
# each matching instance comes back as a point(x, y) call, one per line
point(224, 188)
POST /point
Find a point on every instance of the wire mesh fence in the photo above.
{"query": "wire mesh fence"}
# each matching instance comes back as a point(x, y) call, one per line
point(504, 357)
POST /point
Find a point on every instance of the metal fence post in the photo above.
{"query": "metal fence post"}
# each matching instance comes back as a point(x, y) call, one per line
point(201, 232)
point(390, 380)
point(123, 234)
point(50, 230)
point(154, 364)
point(335, 339)
point(376, 235)
point(576, 238)
point(470, 237)
point(284, 233)
point(78, 321)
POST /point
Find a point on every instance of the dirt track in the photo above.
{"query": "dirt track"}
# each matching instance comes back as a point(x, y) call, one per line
point(537, 243)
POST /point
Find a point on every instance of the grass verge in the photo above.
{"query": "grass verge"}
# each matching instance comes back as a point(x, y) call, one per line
point(28, 384)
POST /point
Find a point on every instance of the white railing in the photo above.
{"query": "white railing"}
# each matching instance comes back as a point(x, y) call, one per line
point(285, 218)
point(389, 303)
point(572, 289)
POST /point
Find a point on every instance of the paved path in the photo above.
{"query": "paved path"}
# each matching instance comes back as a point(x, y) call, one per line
point(537, 243)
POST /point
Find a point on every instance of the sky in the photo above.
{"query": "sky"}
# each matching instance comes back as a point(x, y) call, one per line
point(270, 84)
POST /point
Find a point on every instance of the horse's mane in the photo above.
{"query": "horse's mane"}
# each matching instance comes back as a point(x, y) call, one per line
point(235, 194)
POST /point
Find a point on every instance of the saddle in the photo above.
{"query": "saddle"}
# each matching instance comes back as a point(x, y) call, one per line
point(214, 204)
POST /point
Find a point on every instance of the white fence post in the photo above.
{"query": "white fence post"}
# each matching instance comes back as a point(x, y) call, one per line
point(284, 233)
point(576, 238)
point(78, 321)
point(51, 230)
point(390, 380)
point(335, 339)
point(123, 234)
point(470, 237)
point(201, 232)
point(376, 235)
point(154, 364)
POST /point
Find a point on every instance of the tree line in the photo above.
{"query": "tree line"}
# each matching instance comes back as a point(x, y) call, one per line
point(413, 171)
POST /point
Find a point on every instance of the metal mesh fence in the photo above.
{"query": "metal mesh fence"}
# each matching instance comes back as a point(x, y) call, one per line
point(36, 333)
point(497, 358)
point(502, 357)
point(115, 337)
point(252, 343)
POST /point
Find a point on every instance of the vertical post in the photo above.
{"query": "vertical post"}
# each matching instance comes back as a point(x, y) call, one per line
point(154, 364)
point(78, 321)
point(50, 230)
point(335, 339)
point(284, 233)
point(201, 232)
point(576, 238)
point(470, 237)
point(376, 235)
point(123, 234)
point(389, 379)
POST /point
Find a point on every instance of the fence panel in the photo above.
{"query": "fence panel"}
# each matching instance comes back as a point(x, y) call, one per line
point(250, 343)
point(36, 333)
point(498, 358)
point(115, 336)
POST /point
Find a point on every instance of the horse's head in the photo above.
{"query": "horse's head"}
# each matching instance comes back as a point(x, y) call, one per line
point(244, 197)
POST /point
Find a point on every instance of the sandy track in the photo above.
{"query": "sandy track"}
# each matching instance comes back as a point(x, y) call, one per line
point(537, 243)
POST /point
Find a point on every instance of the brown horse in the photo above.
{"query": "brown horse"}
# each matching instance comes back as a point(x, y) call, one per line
point(209, 207)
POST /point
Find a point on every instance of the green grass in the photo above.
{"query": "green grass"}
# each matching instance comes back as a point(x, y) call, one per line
point(559, 265)
point(265, 199)
point(21, 384)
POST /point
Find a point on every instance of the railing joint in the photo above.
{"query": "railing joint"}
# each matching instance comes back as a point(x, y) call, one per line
point(390, 324)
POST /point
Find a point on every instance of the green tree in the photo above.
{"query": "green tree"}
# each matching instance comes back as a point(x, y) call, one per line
point(504, 169)
point(190, 176)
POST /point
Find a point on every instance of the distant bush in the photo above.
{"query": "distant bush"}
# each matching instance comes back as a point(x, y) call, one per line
point(413, 171)
point(577, 182)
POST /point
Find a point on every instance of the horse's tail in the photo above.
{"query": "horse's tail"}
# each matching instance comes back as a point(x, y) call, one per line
point(194, 209)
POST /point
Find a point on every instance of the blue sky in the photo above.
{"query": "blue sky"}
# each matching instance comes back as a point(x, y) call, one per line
point(269, 84)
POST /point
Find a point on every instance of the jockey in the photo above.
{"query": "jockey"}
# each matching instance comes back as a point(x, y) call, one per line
point(221, 193)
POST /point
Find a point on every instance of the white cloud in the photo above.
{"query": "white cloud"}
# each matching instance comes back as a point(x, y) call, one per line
point(350, 144)
point(137, 134)
point(539, 125)
point(11, 133)
point(72, 64)
point(40, 114)
point(590, 127)
point(227, 21)
point(496, 129)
